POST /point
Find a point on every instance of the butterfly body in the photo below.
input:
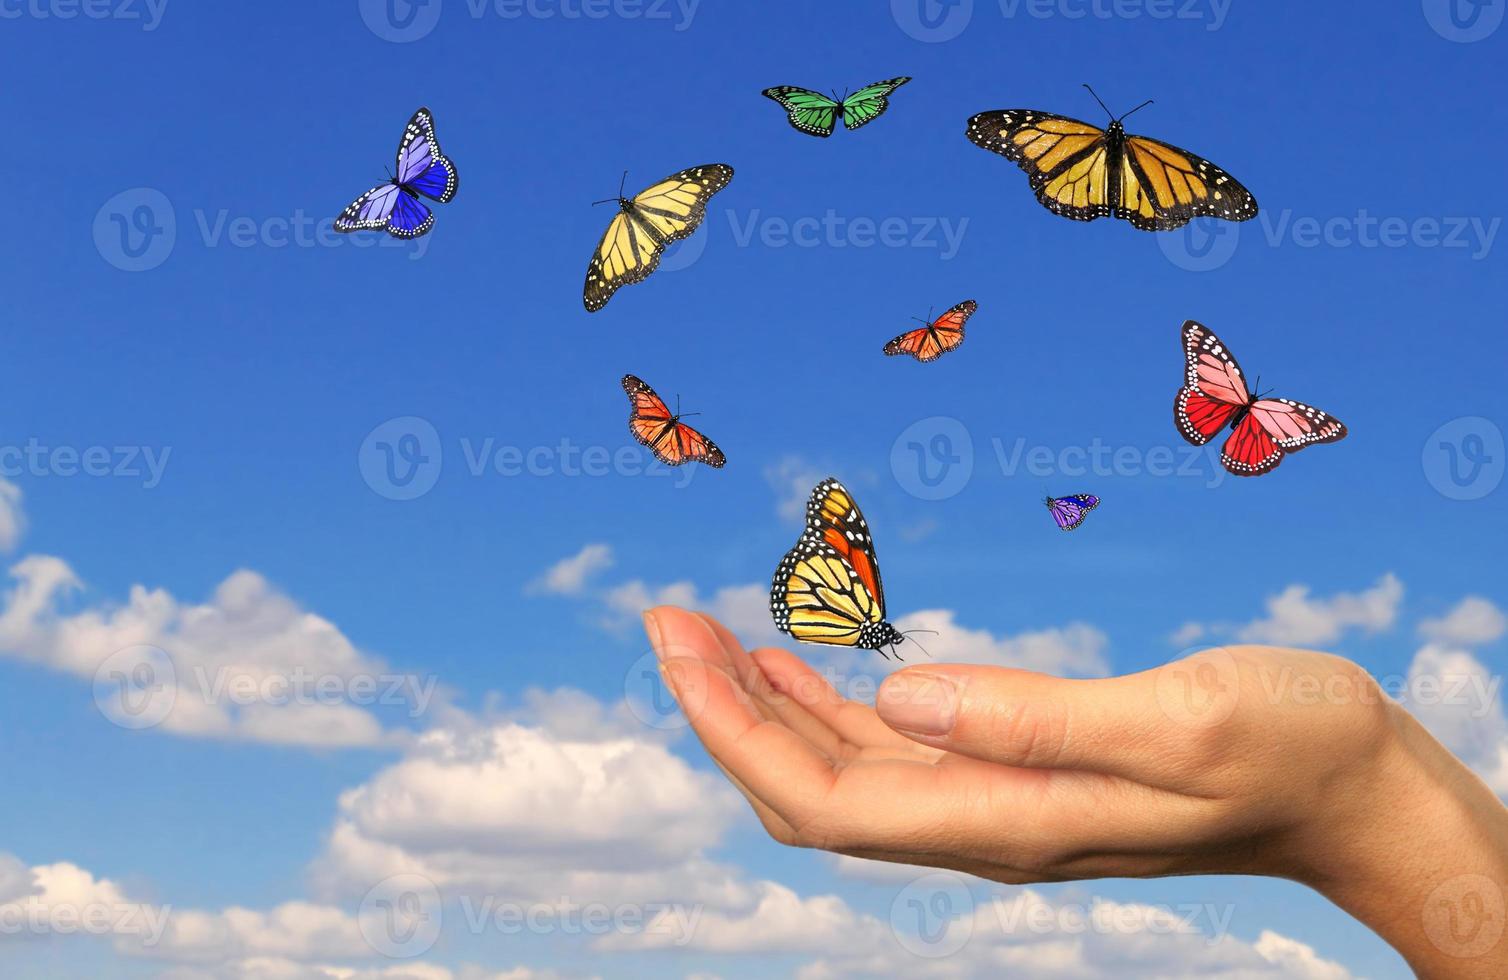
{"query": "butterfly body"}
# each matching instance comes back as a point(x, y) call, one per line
point(644, 227)
point(672, 441)
point(827, 588)
point(1082, 172)
point(1215, 396)
point(1069, 512)
point(395, 206)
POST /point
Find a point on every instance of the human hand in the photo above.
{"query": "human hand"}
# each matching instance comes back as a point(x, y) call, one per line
point(1243, 760)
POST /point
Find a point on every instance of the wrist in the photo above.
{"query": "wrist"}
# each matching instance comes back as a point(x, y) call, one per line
point(1419, 853)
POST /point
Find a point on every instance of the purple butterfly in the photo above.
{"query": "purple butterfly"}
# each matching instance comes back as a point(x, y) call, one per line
point(1070, 511)
point(395, 205)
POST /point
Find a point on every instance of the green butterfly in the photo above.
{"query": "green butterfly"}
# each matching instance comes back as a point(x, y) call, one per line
point(817, 115)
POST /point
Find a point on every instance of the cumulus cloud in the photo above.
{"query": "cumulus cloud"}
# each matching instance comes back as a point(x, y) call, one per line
point(570, 576)
point(1295, 617)
point(792, 479)
point(249, 663)
point(744, 609)
point(1077, 648)
point(1473, 621)
point(12, 517)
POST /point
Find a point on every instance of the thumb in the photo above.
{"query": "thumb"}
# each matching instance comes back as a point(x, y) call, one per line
point(1030, 720)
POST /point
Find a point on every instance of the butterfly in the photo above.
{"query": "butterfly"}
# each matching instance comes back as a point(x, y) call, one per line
point(1083, 172)
point(645, 224)
point(395, 205)
point(1070, 511)
point(817, 115)
point(1262, 429)
point(672, 441)
point(929, 342)
point(827, 588)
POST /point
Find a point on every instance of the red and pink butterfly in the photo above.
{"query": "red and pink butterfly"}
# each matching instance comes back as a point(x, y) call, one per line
point(1263, 430)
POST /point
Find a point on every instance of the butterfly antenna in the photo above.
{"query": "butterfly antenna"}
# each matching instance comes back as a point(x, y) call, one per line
point(622, 182)
point(907, 633)
point(1140, 107)
point(1100, 101)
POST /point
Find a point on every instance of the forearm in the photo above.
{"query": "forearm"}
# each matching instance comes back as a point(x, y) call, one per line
point(1426, 866)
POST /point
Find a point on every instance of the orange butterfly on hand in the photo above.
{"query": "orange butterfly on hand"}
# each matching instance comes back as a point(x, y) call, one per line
point(933, 340)
point(672, 441)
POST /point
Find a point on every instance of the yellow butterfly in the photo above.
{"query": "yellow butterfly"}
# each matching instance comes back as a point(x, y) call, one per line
point(646, 223)
point(827, 588)
point(1083, 172)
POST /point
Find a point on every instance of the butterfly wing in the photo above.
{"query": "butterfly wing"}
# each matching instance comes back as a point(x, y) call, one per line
point(1064, 159)
point(1273, 428)
point(827, 589)
point(937, 338)
point(870, 102)
point(672, 442)
point(808, 112)
point(371, 210)
point(1069, 512)
point(421, 165)
point(1213, 385)
point(665, 212)
point(1163, 187)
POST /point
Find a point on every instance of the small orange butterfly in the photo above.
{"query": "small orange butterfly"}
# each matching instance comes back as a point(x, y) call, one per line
point(933, 340)
point(672, 441)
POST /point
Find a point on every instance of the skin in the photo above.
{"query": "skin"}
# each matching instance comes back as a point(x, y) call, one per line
point(1238, 760)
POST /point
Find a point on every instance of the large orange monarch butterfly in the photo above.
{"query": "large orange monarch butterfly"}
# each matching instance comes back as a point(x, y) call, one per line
point(932, 340)
point(827, 588)
point(672, 441)
point(1083, 172)
point(645, 225)
point(1263, 430)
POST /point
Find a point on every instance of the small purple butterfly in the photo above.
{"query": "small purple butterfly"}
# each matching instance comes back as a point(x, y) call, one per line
point(395, 205)
point(1070, 511)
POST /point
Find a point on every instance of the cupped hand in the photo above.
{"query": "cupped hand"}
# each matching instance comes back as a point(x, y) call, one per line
point(1247, 760)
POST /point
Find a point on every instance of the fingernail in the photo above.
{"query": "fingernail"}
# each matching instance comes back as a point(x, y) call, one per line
point(919, 702)
point(671, 675)
point(651, 629)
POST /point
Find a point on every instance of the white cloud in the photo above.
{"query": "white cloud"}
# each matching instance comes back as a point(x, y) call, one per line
point(779, 920)
point(1296, 618)
point(570, 576)
point(247, 664)
point(1073, 649)
point(792, 479)
point(12, 517)
point(744, 609)
point(1473, 621)
point(1459, 700)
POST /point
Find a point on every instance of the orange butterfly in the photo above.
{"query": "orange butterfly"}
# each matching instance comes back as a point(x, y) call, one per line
point(928, 343)
point(672, 441)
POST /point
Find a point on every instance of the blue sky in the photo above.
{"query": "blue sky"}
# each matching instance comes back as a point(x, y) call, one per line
point(227, 382)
